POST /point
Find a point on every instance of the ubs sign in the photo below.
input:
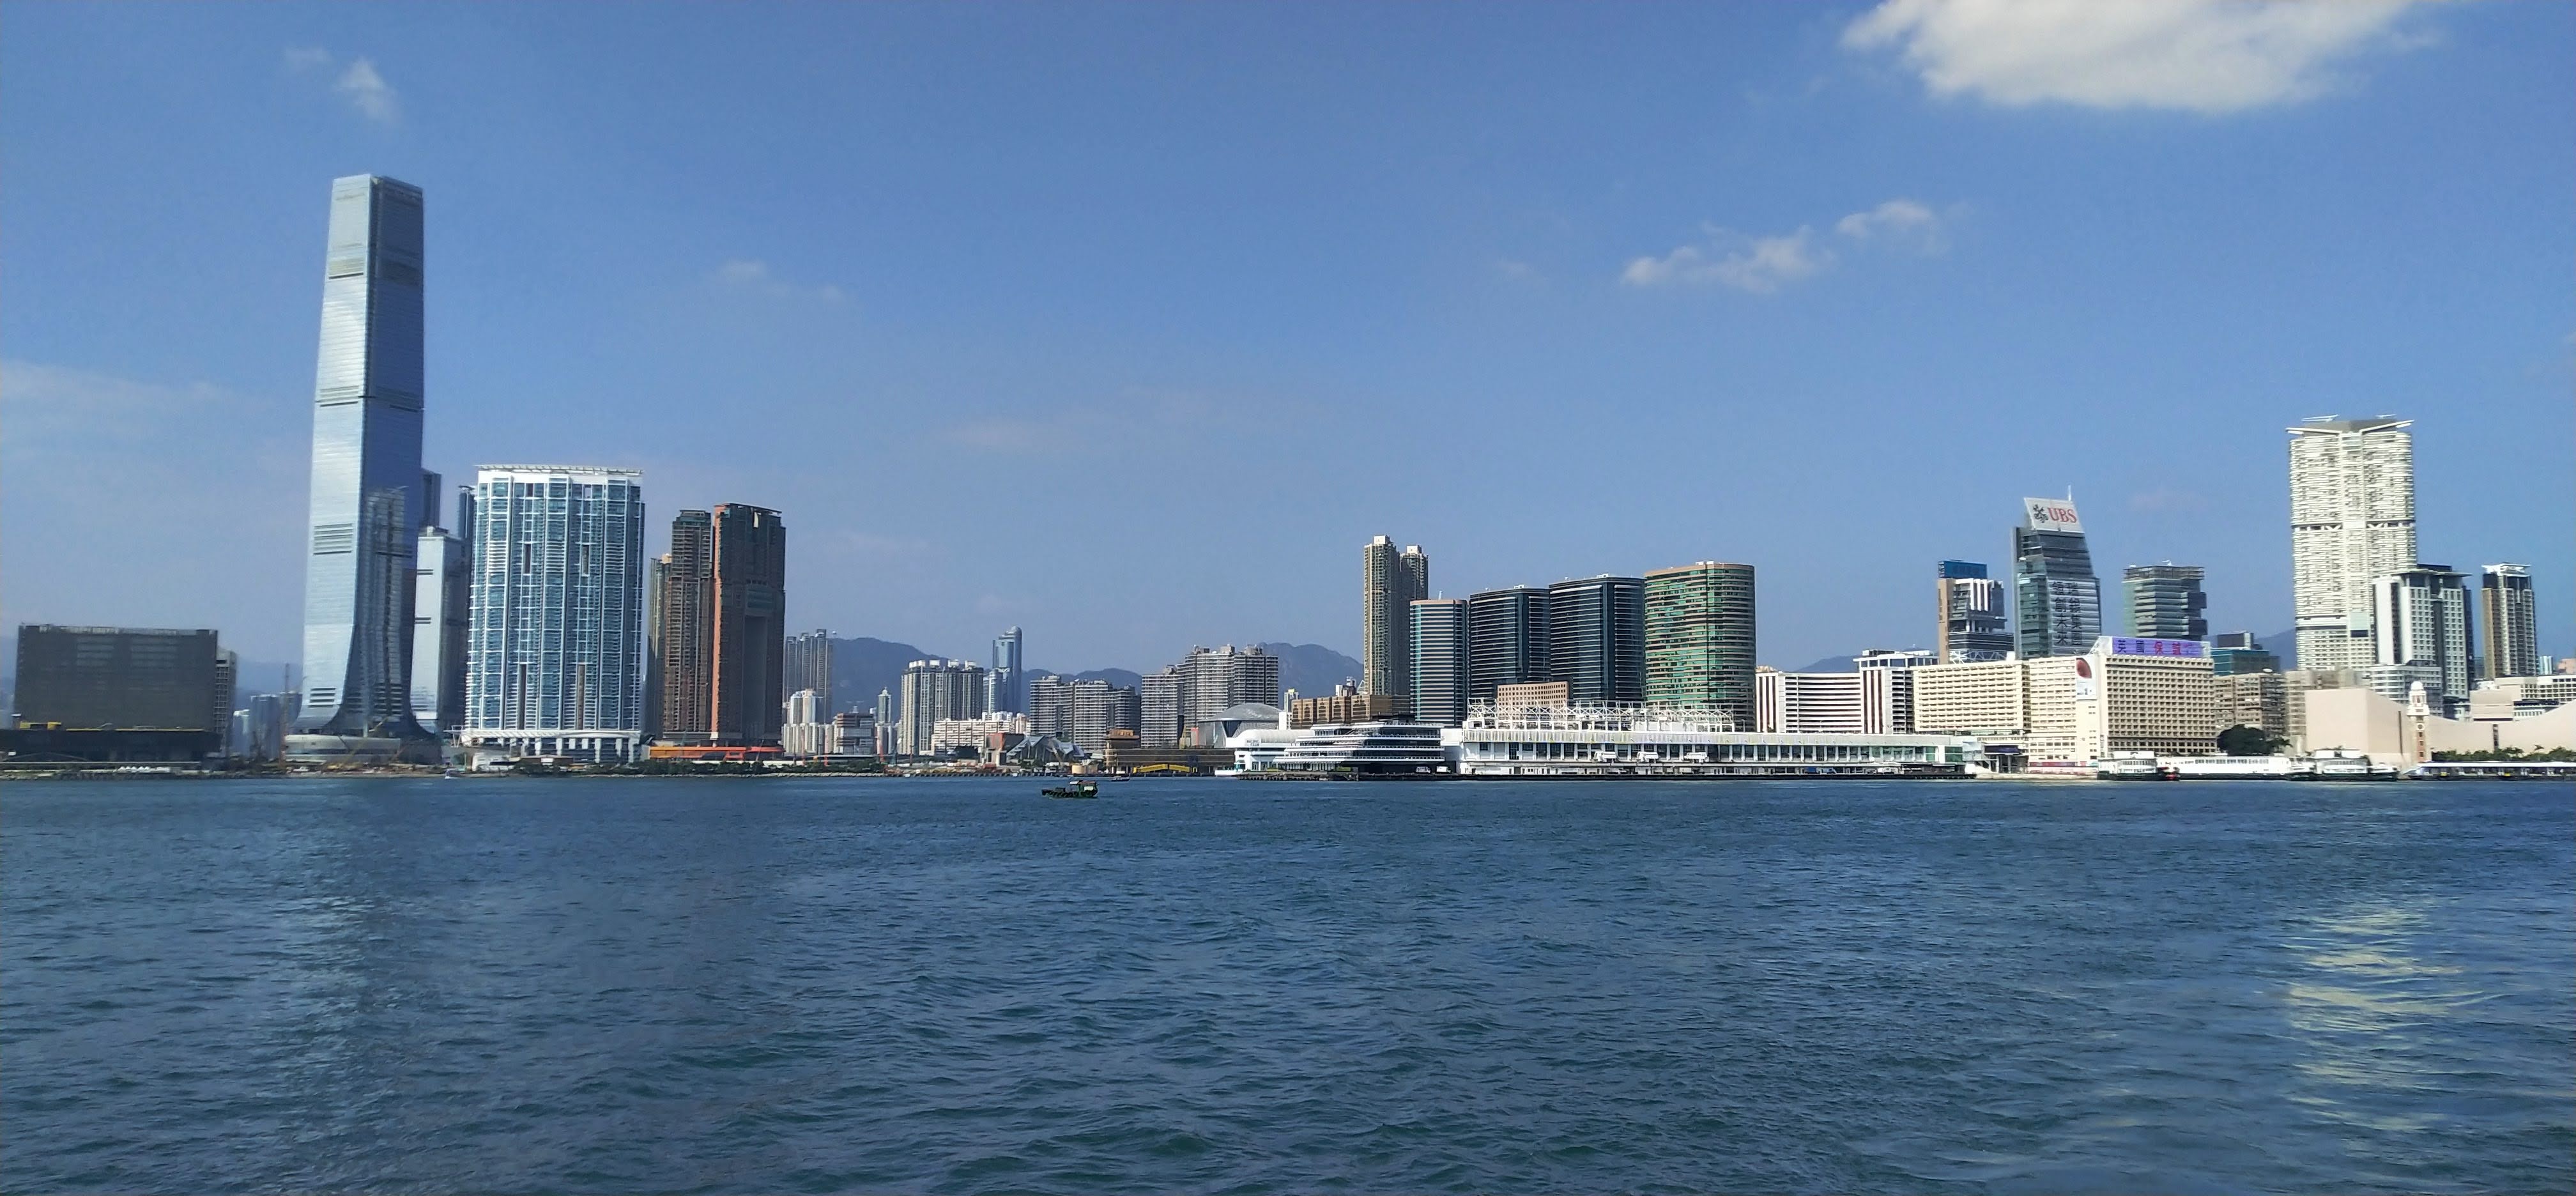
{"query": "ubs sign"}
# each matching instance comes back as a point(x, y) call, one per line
point(2052, 515)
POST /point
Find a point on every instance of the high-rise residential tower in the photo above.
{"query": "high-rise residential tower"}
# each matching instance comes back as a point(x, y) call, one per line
point(2508, 616)
point(2352, 521)
point(443, 610)
point(1389, 582)
point(2421, 616)
point(1506, 639)
point(1974, 619)
point(1440, 661)
point(367, 501)
point(2055, 594)
point(1009, 680)
point(1699, 638)
point(688, 628)
point(747, 657)
point(1215, 678)
point(555, 663)
point(934, 690)
point(2165, 602)
point(809, 666)
point(1596, 638)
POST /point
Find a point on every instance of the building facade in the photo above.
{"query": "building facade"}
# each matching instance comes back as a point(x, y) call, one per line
point(2165, 601)
point(1887, 688)
point(442, 613)
point(933, 690)
point(2420, 615)
point(1506, 639)
point(1596, 638)
point(2508, 618)
point(555, 654)
point(687, 631)
point(123, 678)
point(1390, 580)
point(1009, 679)
point(1699, 635)
point(1988, 698)
point(747, 657)
point(1807, 703)
point(1974, 617)
point(2233, 652)
point(809, 666)
point(1440, 661)
point(368, 501)
point(1212, 679)
point(2352, 521)
point(1158, 708)
point(2057, 601)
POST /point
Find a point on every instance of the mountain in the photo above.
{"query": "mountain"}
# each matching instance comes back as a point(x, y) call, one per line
point(1311, 669)
point(1118, 677)
point(1830, 664)
point(2284, 644)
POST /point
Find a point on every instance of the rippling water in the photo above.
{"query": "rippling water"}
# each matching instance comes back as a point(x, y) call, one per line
point(757, 985)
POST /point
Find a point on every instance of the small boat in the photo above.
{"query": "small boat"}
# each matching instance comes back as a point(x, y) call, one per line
point(1076, 789)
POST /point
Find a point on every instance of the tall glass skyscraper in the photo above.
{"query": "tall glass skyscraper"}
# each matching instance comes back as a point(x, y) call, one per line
point(1699, 638)
point(1596, 638)
point(2055, 594)
point(555, 657)
point(2165, 602)
point(367, 496)
point(1009, 682)
point(1506, 639)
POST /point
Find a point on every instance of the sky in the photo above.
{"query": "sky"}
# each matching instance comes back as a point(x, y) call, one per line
point(1130, 324)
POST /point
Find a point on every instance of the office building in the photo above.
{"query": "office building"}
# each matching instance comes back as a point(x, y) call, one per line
point(747, 657)
point(1159, 706)
point(1008, 680)
point(2235, 652)
point(687, 632)
point(1974, 622)
point(854, 733)
point(367, 503)
point(1699, 638)
point(2057, 600)
point(124, 679)
point(2508, 620)
point(2165, 602)
point(2420, 615)
point(2352, 521)
point(1887, 688)
point(809, 666)
point(555, 655)
point(1596, 638)
point(2127, 694)
point(442, 611)
point(1389, 582)
point(1506, 639)
point(933, 690)
point(1806, 703)
point(1440, 661)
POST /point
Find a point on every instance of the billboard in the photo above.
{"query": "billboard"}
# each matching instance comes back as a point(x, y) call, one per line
point(2122, 645)
point(2051, 515)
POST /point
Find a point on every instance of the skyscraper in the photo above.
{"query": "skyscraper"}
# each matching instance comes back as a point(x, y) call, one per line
point(1389, 582)
point(555, 665)
point(809, 666)
point(367, 504)
point(1215, 678)
point(688, 631)
point(1596, 638)
point(1974, 617)
point(2165, 602)
point(2055, 594)
point(2421, 616)
point(934, 690)
point(1009, 682)
point(747, 657)
point(1506, 639)
point(2352, 521)
point(2508, 616)
point(1440, 661)
point(1699, 638)
point(443, 606)
point(1158, 722)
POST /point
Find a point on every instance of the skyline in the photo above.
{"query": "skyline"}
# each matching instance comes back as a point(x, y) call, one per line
point(1518, 319)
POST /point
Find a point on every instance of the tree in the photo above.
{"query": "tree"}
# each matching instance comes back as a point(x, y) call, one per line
point(2247, 741)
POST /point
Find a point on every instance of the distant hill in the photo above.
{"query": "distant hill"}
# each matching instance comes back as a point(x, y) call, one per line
point(861, 666)
point(1121, 678)
point(1311, 669)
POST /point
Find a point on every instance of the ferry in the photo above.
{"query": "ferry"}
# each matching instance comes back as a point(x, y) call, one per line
point(1080, 789)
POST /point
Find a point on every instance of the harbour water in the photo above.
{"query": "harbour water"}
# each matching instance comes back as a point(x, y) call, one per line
point(738, 985)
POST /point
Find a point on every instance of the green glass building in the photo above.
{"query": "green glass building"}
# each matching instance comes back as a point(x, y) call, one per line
point(1699, 638)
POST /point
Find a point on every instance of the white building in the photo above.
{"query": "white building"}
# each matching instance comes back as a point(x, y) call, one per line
point(2126, 695)
point(935, 690)
point(1677, 741)
point(807, 729)
point(2352, 520)
point(1887, 688)
point(555, 655)
point(2422, 617)
point(1806, 703)
point(970, 733)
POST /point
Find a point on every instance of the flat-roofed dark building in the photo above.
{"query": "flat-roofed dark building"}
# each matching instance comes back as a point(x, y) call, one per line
point(87, 678)
point(1506, 639)
point(1596, 638)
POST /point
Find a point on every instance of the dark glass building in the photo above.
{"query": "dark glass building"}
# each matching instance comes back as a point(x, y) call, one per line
point(1596, 638)
point(1506, 639)
point(2056, 598)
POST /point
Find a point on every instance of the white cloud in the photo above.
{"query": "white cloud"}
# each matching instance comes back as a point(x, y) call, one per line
point(2207, 56)
point(752, 274)
point(1900, 222)
point(359, 83)
point(1759, 266)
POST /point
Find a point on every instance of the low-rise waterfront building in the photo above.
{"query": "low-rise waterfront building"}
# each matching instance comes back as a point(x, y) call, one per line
point(1807, 703)
point(1683, 741)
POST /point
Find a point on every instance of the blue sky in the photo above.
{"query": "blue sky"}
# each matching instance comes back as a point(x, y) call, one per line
point(1130, 324)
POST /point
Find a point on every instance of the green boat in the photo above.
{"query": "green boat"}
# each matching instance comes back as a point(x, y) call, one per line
point(1076, 789)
